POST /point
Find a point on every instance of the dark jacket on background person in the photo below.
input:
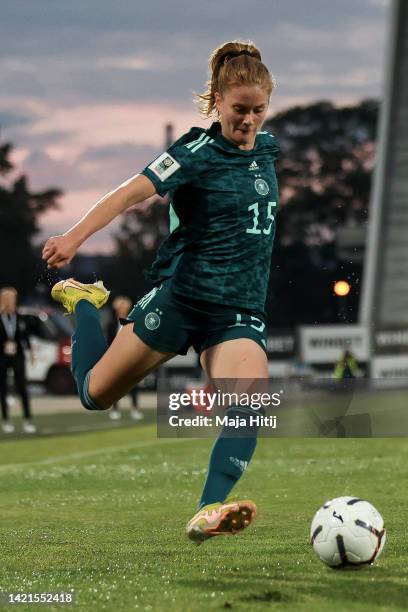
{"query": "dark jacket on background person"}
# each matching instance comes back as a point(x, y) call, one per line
point(14, 331)
point(20, 336)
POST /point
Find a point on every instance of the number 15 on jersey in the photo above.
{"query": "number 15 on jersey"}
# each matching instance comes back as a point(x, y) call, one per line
point(255, 229)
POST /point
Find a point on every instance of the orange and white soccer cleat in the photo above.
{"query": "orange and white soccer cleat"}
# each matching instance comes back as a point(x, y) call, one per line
point(228, 518)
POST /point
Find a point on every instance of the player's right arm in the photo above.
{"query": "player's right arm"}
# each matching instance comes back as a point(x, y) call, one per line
point(179, 165)
point(58, 251)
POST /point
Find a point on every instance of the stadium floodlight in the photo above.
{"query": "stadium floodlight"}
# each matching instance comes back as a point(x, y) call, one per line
point(341, 288)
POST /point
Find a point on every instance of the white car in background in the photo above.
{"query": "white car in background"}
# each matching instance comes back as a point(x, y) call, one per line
point(50, 338)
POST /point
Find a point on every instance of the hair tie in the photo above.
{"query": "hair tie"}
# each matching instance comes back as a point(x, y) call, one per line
point(232, 54)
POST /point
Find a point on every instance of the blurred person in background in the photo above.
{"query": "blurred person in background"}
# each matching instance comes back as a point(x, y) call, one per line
point(121, 307)
point(14, 340)
point(346, 367)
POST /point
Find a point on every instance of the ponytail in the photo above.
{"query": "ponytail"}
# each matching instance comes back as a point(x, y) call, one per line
point(233, 63)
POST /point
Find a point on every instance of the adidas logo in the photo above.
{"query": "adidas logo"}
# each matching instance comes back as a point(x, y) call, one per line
point(241, 465)
point(253, 166)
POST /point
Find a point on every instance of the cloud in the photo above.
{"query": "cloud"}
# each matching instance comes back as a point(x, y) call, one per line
point(104, 16)
point(75, 205)
point(115, 163)
point(70, 130)
point(97, 168)
point(360, 44)
point(353, 80)
point(106, 124)
point(11, 118)
point(381, 4)
point(126, 52)
point(44, 171)
point(316, 66)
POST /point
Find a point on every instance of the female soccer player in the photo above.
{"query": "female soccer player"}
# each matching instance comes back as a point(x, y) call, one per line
point(210, 275)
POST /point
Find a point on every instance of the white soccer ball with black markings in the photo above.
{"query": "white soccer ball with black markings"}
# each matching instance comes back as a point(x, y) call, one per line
point(347, 531)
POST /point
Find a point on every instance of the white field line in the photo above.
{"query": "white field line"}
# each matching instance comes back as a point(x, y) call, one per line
point(83, 428)
point(90, 453)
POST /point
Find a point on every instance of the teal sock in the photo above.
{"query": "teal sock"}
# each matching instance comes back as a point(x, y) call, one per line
point(229, 458)
point(88, 346)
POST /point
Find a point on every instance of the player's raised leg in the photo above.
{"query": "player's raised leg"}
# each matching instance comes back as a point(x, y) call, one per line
point(240, 362)
point(103, 375)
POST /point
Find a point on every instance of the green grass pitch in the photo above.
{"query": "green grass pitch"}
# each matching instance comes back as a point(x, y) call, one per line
point(104, 513)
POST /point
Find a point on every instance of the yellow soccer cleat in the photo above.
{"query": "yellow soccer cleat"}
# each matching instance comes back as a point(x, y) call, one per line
point(216, 519)
point(69, 292)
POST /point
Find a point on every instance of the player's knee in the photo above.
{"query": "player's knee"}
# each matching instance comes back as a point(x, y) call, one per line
point(89, 402)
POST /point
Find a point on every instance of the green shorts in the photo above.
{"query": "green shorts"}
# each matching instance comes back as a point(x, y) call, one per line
point(172, 323)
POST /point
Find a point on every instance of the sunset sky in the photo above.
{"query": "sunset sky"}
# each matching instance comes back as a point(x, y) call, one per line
point(88, 86)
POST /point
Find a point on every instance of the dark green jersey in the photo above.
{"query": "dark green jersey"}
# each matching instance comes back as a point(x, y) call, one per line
point(222, 217)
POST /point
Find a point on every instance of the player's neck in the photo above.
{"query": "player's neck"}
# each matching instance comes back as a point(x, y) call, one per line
point(247, 146)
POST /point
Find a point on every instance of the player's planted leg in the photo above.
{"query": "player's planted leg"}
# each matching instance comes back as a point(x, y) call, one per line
point(229, 458)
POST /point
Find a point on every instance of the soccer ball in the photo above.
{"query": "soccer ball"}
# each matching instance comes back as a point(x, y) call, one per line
point(347, 531)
